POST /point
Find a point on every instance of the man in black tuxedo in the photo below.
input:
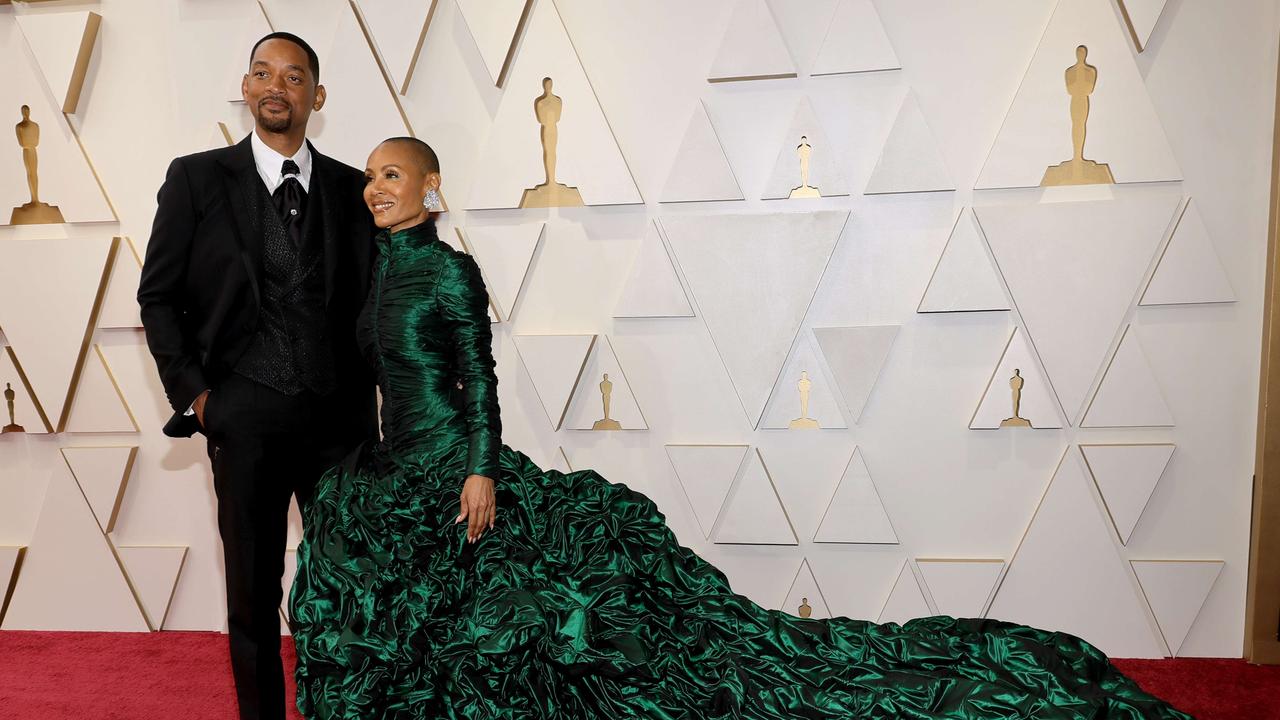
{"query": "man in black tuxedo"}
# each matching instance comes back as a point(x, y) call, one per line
point(257, 267)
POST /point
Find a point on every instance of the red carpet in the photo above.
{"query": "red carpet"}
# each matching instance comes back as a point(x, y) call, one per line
point(140, 676)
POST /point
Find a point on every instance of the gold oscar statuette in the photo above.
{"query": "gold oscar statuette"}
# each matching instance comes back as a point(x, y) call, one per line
point(606, 395)
point(805, 609)
point(1081, 79)
point(9, 397)
point(1015, 384)
point(804, 422)
point(804, 150)
point(547, 108)
point(34, 212)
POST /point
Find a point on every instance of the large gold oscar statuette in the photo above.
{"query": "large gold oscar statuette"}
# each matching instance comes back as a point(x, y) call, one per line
point(9, 396)
point(805, 609)
point(547, 108)
point(1015, 384)
point(804, 422)
point(1081, 79)
point(34, 212)
point(804, 150)
point(606, 395)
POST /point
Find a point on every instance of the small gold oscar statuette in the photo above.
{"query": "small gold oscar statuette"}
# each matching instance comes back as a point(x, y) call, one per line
point(804, 422)
point(606, 394)
point(804, 151)
point(34, 212)
point(547, 108)
point(9, 396)
point(1081, 79)
point(1015, 384)
point(805, 609)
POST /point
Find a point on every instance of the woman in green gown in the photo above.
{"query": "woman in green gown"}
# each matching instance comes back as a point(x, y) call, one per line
point(445, 575)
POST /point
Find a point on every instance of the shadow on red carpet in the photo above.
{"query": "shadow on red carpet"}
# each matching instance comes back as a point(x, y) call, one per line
point(141, 676)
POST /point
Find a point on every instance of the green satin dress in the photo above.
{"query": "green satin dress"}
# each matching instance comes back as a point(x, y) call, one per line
point(581, 603)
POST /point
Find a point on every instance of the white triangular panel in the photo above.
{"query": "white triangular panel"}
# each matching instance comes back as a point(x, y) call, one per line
point(961, 588)
point(50, 343)
point(1123, 129)
point(102, 473)
point(504, 253)
point(560, 461)
point(652, 288)
point(753, 512)
point(70, 577)
point(784, 406)
point(700, 172)
point(65, 177)
point(98, 405)
point(752, 47)
point(586, 407)
point(153, 572)
point(120, 302)
point(587, 155)
point(910, 160)
point(906, 600)
point(494, 25)
point(397, 30)
point(1066, 574)
point(1074, 270)
point(1036, 403)
point(1126, 476)
point(1141, 16)
point(856, 356)
point(855, 41)
point(62, 44)
point(1129, 395)
point(855, 513)
point(255, 26)
point(554, 364)
point(1176, 590)
point(752, 310)
point(806, 591)
point(26, 412)
point(706, 473)
point(964, 279)
point(1189, 271)
point(824, 167)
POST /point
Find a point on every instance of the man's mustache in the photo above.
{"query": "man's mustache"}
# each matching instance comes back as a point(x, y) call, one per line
point(282, 101)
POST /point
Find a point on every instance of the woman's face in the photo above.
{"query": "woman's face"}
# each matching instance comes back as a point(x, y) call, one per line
point(395, 184)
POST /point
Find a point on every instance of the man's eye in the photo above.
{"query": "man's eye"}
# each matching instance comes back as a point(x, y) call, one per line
point(294, 79)
point(260, 74)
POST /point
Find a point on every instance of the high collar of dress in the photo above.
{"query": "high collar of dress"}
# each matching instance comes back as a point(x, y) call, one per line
point(416, 236)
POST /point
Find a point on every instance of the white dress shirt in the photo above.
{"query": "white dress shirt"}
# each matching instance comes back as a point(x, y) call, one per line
point(269, 161)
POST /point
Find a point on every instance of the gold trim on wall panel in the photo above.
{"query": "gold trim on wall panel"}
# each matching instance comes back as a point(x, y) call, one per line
point(88, 334)
point(1262, 603)
point(516, 39)
point(12, 582)
point(417, 51)
point(22, 375)
point(87, 40)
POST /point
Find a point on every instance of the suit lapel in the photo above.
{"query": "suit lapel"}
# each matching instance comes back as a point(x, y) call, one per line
point(325, 198)
point(240, 182)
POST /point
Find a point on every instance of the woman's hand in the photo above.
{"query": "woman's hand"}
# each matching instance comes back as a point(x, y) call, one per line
point(477, 506)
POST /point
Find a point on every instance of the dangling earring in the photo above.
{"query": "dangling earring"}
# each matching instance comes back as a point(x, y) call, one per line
point(432, 200)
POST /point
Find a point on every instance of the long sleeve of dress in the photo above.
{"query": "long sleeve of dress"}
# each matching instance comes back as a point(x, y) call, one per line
point(464, 303)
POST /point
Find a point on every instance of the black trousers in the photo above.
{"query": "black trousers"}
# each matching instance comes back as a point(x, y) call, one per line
point(265, 447)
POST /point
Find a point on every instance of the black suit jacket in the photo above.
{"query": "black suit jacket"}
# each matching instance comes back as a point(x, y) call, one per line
point(201, 282)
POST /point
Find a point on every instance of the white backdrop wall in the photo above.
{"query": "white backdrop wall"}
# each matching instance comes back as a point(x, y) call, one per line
point(1064, 538)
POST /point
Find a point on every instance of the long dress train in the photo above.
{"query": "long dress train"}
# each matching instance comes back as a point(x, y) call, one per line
point(581, 603)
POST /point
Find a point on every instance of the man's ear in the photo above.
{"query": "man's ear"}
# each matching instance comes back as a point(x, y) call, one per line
point(244, 88)
point(320, 97)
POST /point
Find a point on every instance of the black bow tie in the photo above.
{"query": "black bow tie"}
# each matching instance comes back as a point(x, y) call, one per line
point(289, 199)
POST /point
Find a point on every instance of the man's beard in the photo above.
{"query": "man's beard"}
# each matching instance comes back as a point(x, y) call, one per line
point(275, 123)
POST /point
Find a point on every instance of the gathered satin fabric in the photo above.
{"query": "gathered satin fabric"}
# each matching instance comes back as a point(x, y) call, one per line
point(581, 603)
